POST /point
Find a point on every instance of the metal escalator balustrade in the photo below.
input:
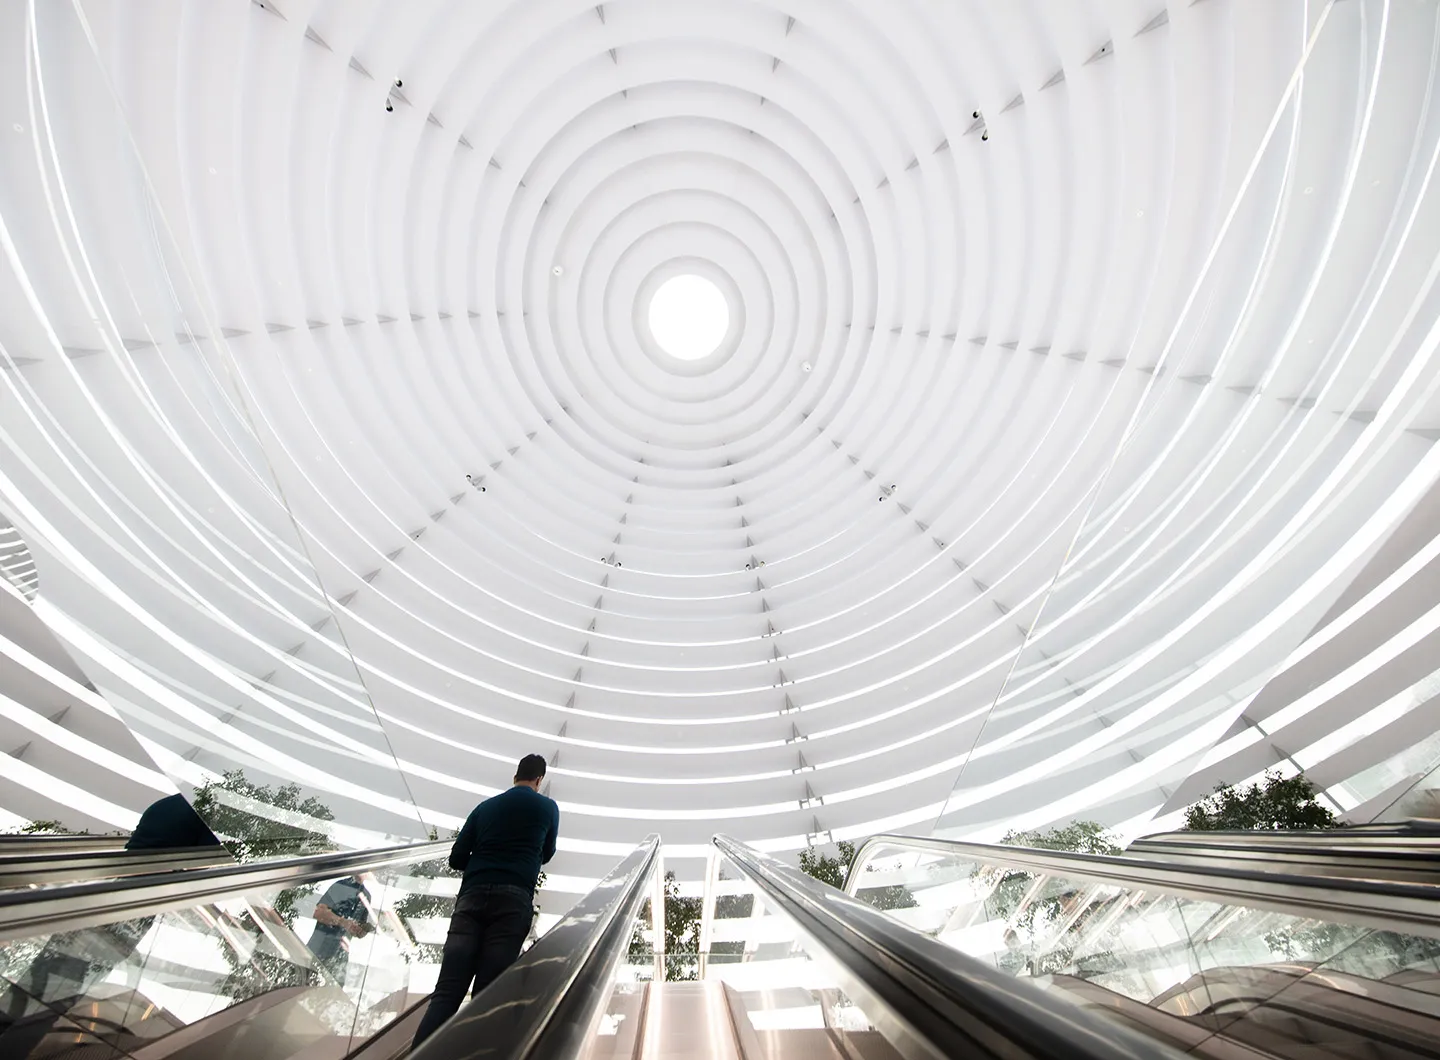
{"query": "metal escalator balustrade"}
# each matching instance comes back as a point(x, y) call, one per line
point(1218, 960)
point(77, 905)
point(18, 846)
point(186, 962)
point(884, 991)
point(928, 1000)
point(1380, 904)
point(42, 867)
point(1404, 852)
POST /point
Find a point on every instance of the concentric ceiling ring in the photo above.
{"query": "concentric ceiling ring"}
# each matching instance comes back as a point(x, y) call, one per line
point(1077, 354)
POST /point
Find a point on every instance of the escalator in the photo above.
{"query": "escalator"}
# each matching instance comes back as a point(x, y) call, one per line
point(1402, 852)
point(843, 981)
point(944, 949)
point(1243, 945)
point(210, 963)
point(194, 959)
point(34, 861)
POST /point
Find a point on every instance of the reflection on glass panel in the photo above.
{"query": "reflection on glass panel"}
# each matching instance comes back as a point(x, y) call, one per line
point(1244, 457)
point(782, 995)
point(760, 991)
point(165, 519)
point(333, 961)
point(1182, 968)
point(1406, 785)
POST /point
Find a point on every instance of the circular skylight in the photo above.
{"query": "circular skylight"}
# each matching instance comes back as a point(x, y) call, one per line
point(689, 317)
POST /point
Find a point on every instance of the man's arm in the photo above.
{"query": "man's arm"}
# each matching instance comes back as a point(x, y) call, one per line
point(464, 843)
point(325, 915)
point(551, 835)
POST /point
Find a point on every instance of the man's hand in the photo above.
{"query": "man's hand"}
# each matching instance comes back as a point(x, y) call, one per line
point(356, 928)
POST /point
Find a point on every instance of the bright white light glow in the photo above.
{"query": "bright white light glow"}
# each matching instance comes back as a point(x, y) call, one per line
point(689, 317)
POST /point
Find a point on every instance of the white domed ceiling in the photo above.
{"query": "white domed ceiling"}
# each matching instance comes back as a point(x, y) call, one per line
point(1072, 358)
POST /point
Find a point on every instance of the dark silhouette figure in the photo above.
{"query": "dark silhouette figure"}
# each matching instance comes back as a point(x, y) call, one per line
point(504, 842)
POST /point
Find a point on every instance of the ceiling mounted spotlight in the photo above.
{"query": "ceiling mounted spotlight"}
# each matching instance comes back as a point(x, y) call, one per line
point(806, 366)
point(399, 83)
point(558, 270)
point(389, 107)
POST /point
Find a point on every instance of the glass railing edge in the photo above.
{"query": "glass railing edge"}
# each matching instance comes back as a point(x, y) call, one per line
point(925, 997)
point(70, 906)
point(1381, 904)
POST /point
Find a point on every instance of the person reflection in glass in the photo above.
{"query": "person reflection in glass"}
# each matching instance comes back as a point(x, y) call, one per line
point(342, 913)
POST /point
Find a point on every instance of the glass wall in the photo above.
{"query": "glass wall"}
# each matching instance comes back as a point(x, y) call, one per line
point(1266, 446)
point(173, 555)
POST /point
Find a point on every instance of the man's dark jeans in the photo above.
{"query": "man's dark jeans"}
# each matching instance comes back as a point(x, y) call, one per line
point(486, 933)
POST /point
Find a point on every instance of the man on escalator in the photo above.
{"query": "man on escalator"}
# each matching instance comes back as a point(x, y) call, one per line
point(504, 842)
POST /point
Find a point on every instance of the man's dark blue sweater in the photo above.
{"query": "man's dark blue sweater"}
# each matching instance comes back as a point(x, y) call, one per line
point(506, 839)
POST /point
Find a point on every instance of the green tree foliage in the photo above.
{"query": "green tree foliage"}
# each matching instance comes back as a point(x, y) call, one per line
point(682, 934)
point(836, 872)
point(1029, 920)
point(1077, 837)
point(827, 869)
point(252, 836)
point(428, 905)
point(734, 906)
point(1280, 803)
point(44, 827)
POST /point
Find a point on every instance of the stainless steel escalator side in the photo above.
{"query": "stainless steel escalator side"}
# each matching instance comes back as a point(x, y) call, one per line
point(1412, 908)
point(50, 868)
point(928, 999)
point(1400, 854)
point(1416, 829)
point(547, 1003)
point(24, 845)
point(69, 907)
point(106, 963)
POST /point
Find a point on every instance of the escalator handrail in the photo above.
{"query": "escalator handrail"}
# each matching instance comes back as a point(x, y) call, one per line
point(24, 844)
point(70, 906)
point(1342, 841)
point(927, 998)
point(1397, 858)
point(547, 1002)
point(1387, 906)
point(30, 870)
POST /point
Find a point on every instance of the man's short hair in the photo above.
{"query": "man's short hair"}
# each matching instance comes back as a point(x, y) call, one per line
point(531, 767)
